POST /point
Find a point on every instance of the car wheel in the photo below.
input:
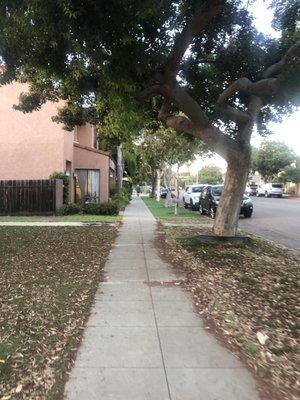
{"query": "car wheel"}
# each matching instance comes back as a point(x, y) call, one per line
point(212, 212)
point(201, 211)
point(266, 194)
point(193, 208)
point(184, 203)
point(247, 214)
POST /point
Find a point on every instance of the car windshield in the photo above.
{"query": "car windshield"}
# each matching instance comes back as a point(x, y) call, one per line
point(197, 189)
point(276, 185)
point(217, 191)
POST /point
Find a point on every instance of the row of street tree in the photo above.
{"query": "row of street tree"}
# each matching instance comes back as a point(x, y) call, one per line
point(127, 70)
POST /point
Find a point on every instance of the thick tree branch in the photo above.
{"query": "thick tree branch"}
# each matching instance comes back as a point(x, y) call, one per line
point(233, 114)
point(164, 111)
point(265, 87)
point(240, 85)
point(197, 24)
point(149, 92)
point(212, 137)
point(277, 68)
point(181, 124)
point(195, 123)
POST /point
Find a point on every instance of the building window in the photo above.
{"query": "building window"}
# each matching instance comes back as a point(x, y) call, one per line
point(87, 188)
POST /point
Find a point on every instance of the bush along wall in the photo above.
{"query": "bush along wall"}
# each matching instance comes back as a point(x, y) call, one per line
point(122, 198)
point(69, 209)
point(119, 201)
point(108, 208)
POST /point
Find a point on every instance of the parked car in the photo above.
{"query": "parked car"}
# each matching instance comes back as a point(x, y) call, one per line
point(164, 191)
point(191, 196)
point(210, 198)
point(270, 189)
point(251, 190)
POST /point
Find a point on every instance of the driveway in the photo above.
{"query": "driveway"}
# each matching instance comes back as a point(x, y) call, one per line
point(275, 219)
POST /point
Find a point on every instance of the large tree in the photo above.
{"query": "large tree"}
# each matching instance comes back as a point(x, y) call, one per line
point(271, 158)
point(232, 81)
point(210, 174)
point(201, 61)
point(160, 148)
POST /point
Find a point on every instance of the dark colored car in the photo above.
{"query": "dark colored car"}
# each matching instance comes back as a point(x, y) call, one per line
point(210, 198)
point(163, 193)
point(251, 190)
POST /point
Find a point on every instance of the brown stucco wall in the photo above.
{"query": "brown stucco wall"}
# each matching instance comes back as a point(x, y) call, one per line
point(32, 146)
point(85, 135)
point(85, 158)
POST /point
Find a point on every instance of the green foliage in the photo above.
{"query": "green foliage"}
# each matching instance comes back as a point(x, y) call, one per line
point(69, 209)
point(108, 208)
point(122, 197)
point(290, 174)
point(271, 158)
point(65, 179)
point(211, 174)
point(97, 55)
point(160, 146)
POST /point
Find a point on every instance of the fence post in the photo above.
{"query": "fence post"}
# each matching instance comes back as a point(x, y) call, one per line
point(58, 194)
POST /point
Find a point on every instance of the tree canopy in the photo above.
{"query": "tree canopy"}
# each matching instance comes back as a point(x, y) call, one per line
point(98, 55)
point(201, 63)
point(210, 174)
point(271, 158)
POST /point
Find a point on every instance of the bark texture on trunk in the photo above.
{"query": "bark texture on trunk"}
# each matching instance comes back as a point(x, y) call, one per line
point(177, 190)
point(153, 182)
point(120, 167)
point(158, 174)
point(168, 177)
point(228, 210)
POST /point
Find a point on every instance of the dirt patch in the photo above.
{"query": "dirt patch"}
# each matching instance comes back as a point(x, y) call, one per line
point(246, 294)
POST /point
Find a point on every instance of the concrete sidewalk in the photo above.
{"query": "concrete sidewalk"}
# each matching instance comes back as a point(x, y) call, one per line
point(145, 342)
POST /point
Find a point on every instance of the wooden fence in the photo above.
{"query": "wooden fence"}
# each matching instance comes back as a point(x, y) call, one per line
point(30, 197)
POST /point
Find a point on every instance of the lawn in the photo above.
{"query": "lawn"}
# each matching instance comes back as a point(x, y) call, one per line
point(159, 210)
point(65, 218)
point(49, 276)
point(245, 294)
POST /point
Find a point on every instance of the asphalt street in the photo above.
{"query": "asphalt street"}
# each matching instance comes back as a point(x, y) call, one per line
point(275, 219)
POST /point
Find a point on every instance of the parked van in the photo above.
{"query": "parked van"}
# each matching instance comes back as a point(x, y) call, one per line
point(270, 190)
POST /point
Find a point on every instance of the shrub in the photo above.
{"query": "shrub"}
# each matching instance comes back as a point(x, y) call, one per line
point(69, 209)
point(108, 208)
point(122, 197)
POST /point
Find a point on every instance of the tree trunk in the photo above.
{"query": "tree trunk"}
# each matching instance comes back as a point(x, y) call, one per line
point(228, 210)
point(158, 174)
point(177, 191)
point(168, 177)
point(153, 182)
point(120, 167)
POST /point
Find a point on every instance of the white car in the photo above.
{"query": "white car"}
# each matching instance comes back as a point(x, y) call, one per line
point(191, 196)
point(270, 190)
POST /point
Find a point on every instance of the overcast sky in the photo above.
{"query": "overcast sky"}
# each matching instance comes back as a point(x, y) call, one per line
point(289, 130)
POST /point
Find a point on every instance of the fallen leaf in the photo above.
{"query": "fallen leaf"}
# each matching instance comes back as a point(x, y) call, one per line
point(262, 338)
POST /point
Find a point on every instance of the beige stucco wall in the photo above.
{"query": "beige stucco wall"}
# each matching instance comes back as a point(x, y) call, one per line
point(93, 159)
point(32, 146)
